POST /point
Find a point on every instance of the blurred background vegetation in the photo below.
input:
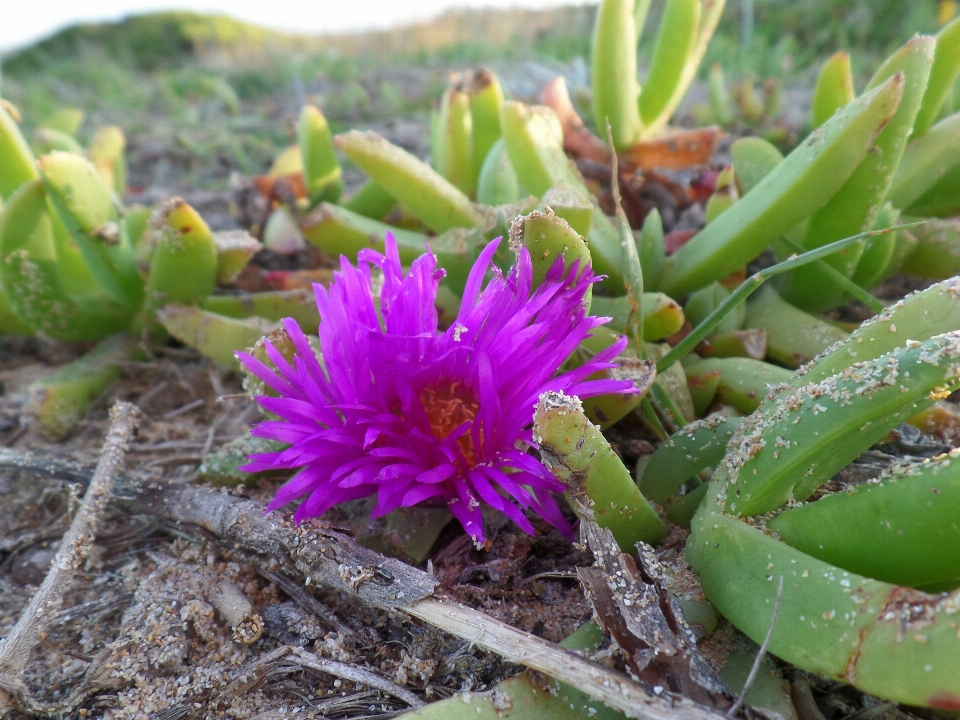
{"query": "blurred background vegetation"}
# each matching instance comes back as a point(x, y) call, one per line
point(202, 95)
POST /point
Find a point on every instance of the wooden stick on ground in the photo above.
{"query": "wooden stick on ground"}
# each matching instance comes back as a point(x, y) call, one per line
point(74, 549)
point(319, 555)
point(611, 688)
point(322, 556)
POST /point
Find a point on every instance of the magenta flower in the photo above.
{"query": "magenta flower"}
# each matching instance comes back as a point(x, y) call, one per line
point(398, 409)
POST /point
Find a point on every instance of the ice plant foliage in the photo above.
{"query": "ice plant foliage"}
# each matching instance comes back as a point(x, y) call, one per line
point(398, 409)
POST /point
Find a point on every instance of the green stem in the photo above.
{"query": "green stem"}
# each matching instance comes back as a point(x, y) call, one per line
point(857, 292)
point(755, 281)
point(650, 417)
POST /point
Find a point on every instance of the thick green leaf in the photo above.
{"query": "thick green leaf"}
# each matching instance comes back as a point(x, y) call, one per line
point(216, 336)
point(886, 640)
point(613, 67)
point(486, 98)
point(30, 273)
point(895, 529)
point(925, 161)
point(794, 189)
point(17, 164)
point(801, 438)
point(321, 171)
point(833, 90)
point(415, 184)
point(855, 206)
point(675, 44)
point(456, 137)
point(943, 75)
point(793, 336)
point(576, 452)
point(88, 209)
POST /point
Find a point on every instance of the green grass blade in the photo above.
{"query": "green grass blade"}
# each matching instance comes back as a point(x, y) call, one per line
point(751, 284)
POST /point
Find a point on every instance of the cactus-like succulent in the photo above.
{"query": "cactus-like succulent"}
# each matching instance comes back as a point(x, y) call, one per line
point(756, 399)
point(75, 265)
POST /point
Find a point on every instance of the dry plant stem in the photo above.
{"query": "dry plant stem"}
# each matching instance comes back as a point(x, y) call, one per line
point(251, 675)
point(612, 689)
point(326, 557)
point(871, 712)
point(803, 700)
point(761, 654)
point(236, 609)
point(306, 600)
point(323, 556)
point(354, 674)
point(74, 548)
point(254, 673)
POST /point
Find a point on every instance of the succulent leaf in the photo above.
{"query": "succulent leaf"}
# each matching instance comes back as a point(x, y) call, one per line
point(577, 454)
point(943, 75)
point(613, 65)
point(855, 206)
point(672, 50)
point(30, 274)
point(799, 185)
point(17, 164)
point(415, 184)
point(833, 90)
point(321, 171)
point(89, 211)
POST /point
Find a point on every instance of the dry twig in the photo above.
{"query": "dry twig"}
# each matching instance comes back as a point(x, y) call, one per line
point(354, 674)
point(761, 654)
point(323, 556)
point(74, 549)
point(326, 557)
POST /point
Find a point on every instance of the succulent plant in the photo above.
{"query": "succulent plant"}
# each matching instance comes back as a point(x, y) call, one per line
point(77, 266)
point(757, 400)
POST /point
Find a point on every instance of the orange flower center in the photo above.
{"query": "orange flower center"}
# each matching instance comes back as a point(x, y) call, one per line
point(448, 405)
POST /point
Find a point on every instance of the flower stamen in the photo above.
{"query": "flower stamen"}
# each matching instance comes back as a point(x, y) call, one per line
point(449, 405)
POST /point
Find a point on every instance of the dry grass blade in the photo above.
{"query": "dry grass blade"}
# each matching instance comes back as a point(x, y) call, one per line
point(354, 674)
point(761, 654)
point(75, 547)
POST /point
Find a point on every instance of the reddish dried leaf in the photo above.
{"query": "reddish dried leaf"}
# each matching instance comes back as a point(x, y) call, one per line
point(675, 240)
point(285, 189)
point(578, 141)
point(674, 151)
